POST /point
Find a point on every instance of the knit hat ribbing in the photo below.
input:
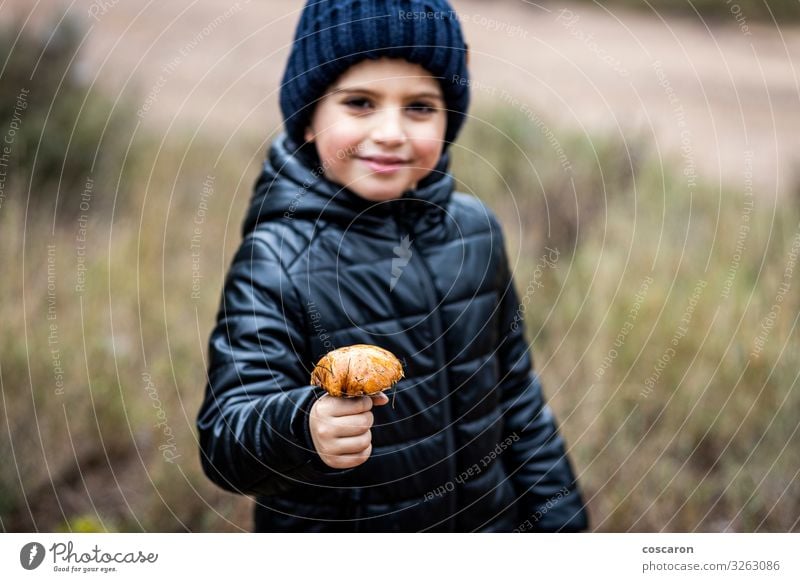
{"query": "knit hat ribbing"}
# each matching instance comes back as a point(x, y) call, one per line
point(334, 35)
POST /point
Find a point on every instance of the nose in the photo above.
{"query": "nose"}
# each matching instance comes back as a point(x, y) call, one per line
point(388, 129)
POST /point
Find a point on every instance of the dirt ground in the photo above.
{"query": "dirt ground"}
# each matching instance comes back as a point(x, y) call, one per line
point(711, 94)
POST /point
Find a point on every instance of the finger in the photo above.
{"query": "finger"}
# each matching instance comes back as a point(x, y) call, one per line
point(349, 445)
point(347, 461)
point(353, 425)
point(322, 404)
point(379, 399)
point(350, 406)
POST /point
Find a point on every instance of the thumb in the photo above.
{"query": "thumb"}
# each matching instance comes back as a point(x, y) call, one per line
point(379, 399)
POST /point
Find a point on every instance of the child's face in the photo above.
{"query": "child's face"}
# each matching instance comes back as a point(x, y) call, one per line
point(380, 128)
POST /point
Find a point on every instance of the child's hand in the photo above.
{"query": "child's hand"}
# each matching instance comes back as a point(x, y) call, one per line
point(340, 429)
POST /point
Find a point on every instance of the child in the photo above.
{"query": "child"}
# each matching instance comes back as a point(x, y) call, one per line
point(355, 235)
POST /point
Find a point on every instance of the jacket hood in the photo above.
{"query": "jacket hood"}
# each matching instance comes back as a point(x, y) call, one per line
point(292, 185)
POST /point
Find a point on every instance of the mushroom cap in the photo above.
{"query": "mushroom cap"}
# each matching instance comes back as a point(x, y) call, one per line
point(357, 370)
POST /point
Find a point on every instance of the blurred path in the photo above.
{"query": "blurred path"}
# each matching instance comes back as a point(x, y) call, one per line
point(718, 92)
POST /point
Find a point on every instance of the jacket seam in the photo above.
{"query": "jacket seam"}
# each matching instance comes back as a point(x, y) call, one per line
point(326, 269)
point(423, 314)
point(307, 250)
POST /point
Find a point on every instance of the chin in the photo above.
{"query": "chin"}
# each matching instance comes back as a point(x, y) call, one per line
point(381, 194)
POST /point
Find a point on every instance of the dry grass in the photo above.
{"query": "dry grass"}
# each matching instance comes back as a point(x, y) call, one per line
point(707, 440)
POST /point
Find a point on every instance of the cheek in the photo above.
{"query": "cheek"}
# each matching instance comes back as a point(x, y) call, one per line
point(335, 169)
point(331, 144)
point(429, 143)
point(334, 135)
point(429, 150)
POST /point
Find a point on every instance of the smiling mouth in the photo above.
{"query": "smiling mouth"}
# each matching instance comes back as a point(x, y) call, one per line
point(384, 165)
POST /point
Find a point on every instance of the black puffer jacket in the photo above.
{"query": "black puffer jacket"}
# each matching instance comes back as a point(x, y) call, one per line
point(469, 444)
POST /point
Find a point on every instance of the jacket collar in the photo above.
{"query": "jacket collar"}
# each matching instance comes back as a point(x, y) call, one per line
point(291, 185)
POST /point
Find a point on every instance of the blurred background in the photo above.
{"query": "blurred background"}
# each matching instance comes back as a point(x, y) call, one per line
point(653, 145)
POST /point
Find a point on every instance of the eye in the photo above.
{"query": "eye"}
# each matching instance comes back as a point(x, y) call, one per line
point(422, 107)
point(358, 103)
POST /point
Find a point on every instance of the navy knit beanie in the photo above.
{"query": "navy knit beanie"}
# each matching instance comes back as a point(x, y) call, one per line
point(334, 35)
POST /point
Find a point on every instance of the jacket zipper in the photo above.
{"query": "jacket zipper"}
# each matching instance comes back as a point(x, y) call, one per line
point(426, 276)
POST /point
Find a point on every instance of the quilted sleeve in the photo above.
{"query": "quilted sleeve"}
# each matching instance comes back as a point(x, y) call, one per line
point(253, 423)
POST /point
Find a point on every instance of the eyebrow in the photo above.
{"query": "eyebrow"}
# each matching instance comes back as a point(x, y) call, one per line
point(423, 94)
